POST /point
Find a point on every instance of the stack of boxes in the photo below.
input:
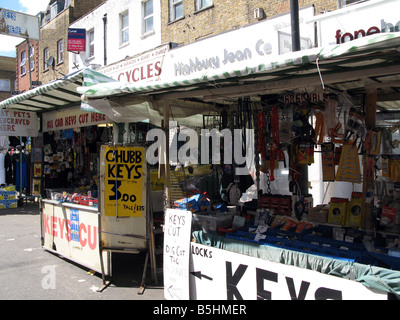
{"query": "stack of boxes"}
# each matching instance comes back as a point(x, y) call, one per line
point(8, 198)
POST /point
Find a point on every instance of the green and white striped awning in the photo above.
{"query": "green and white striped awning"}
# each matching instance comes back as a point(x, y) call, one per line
point(369, 60)
point(378, 50)
point(59, 94)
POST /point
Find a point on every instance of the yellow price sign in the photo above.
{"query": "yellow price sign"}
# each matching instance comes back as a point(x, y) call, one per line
point(124, 181)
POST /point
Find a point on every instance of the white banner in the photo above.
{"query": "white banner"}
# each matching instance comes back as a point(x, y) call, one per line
point(71, 118)
point(238, 49)
point(217, 274)
point(73, 231)
point(18, 123)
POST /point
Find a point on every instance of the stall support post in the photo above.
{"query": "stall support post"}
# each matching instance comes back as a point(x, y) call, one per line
point(368, 181)
point(167, 191)
point(150, 233)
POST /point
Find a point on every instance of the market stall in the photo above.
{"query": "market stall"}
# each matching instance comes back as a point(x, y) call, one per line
point(92, 175)
point(16, 131)
point(289, 110)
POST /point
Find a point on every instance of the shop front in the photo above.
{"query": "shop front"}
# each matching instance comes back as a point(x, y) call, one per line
point(286, 205)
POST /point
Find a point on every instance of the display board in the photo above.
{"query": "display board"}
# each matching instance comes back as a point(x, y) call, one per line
point(72, 231)
point(217, 274)
point(177, 230)
point(18, 123)
point(17, 24)
point(123, 197)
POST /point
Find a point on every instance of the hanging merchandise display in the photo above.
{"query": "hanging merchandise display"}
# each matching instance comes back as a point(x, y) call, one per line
point(276, 152)
point(261, 129)
point(332, 124)
point(328, 161)
point(355, 128)
point(349, 165)
point(319, 127)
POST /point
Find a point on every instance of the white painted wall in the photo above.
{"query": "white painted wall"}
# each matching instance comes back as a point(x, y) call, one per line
point(138, 42)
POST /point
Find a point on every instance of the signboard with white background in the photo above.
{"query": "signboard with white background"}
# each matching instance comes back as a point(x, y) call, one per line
point(217, 274)
point(237, 49)
point(177, 229)
point(18, 123)
point(71, 118)
point(359, 20)
point(19, 24)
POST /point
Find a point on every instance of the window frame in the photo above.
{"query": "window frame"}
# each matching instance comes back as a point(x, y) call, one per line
point(23, 63)
point(60, 53)
point(147, 17)
point(173, 4)
point(46, 55)
point(123, 29)
point(32, 57)
point(53, 10)
point(90, 43)
point(7, 86)
point(199, 5)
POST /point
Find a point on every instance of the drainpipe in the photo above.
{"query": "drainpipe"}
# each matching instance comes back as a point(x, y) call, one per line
point(105, 38)
point(294, 18)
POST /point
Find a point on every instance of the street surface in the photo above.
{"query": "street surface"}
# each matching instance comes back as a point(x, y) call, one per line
point(28, 272)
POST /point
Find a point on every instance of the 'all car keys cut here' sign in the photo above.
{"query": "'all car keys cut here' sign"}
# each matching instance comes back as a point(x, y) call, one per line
point(124, 181)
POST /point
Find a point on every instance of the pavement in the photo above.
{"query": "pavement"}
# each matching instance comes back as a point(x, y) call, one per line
point(29, 272)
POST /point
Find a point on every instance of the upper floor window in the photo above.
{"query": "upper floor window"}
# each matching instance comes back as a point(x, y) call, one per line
point(23, 63)
point(60, 51)
point(5, 85)
point(32, 57)
point(124, 23)
point(148, 16)
point(46, 56)
point(90, 39)
point(54, 10)
point(201, 4)
point(175, 9)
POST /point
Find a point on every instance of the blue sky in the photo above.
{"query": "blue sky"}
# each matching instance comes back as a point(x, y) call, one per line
point(7, 43)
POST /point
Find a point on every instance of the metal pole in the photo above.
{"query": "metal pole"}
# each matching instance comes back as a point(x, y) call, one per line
point(105, 38)
point(294, 18)
point(29, 62)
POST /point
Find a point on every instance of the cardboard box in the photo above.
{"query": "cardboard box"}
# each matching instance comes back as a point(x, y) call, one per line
point(8, 195)
point(318, 214)
point(6, 204)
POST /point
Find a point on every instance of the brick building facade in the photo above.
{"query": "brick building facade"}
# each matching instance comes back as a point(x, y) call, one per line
point(188, 21)
point(25, 72)
point(7, 77)
point(53, 35)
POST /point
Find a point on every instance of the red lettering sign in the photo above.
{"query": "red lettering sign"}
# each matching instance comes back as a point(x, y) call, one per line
point(61, 228)
point(141, 73)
